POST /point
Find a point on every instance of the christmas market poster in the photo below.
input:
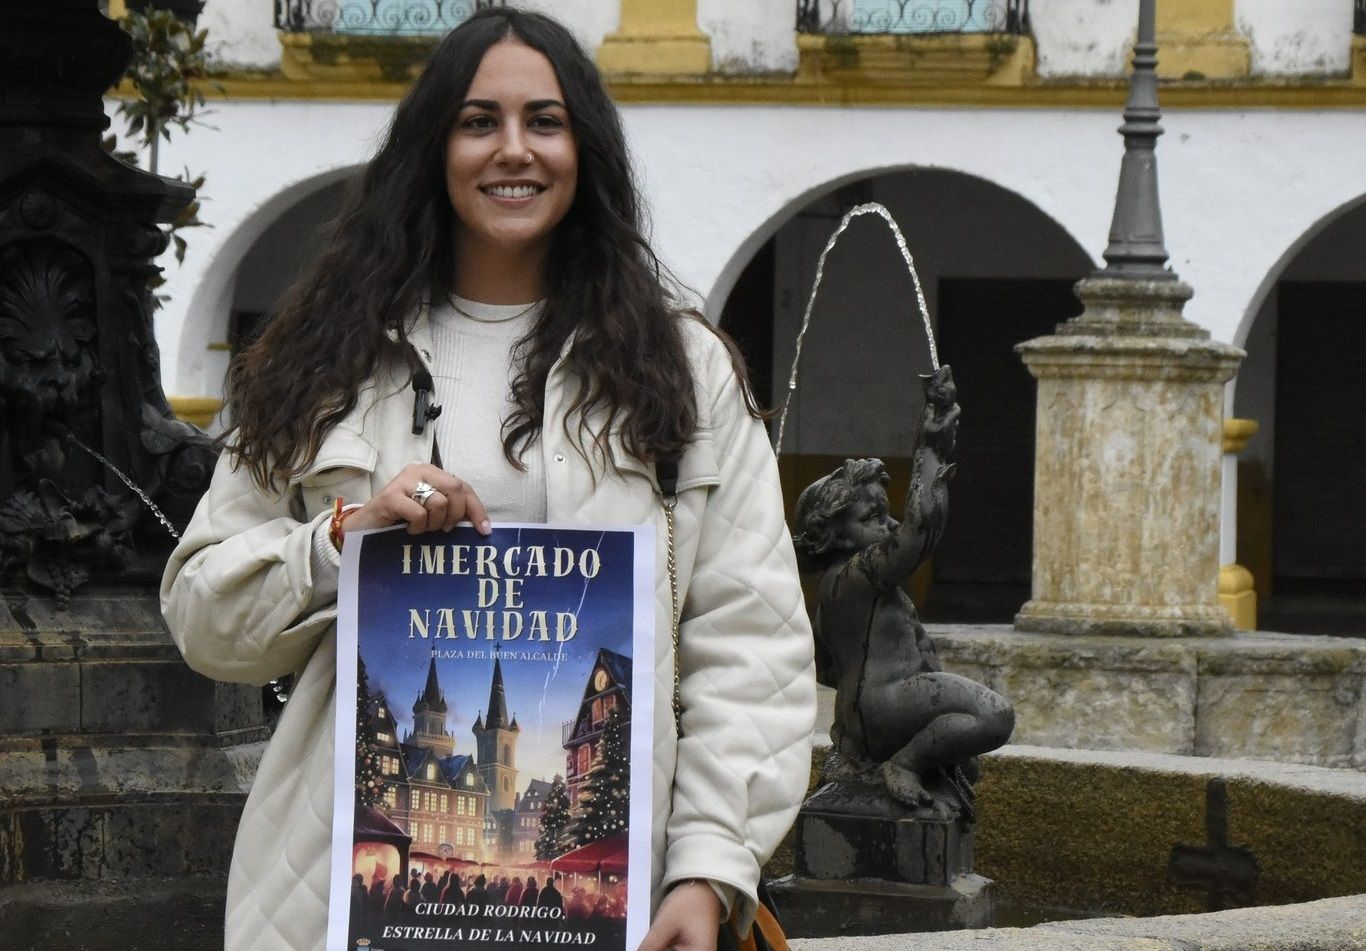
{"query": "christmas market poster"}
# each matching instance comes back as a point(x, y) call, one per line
point(487, 688)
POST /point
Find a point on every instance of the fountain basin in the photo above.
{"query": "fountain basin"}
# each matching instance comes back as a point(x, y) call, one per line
point(1334, 924)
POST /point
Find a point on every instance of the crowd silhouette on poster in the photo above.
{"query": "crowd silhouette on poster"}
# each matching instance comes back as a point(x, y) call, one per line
point(452, 894)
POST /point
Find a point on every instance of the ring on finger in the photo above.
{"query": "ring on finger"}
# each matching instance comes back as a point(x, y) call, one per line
point(422, 492)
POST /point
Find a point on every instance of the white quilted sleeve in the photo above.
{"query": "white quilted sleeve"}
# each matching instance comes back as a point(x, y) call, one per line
point(237, 593)
point(748, 677)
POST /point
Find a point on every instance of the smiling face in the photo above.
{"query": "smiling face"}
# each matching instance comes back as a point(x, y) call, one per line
point(511, 157)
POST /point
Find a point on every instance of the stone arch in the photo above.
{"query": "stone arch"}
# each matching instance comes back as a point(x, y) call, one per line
point(200, 365)
point(1296, 498)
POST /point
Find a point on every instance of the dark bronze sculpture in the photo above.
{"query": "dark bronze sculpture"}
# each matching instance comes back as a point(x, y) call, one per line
point(904, 730)
point(79, 376)
point(121, 770)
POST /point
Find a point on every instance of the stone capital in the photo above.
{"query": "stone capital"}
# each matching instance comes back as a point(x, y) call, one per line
point(1132, 307)
point(1154, 359)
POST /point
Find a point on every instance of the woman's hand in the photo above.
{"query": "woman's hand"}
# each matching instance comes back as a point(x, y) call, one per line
point(453, 501)
point(687, 919)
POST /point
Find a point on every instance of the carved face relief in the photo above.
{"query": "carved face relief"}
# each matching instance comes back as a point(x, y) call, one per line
point(47, 328)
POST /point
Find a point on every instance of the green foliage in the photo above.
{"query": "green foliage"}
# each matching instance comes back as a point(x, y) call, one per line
point(604, 802)
point(168, 58)
point(166, 75)
point(369, 775)
point(554, 822)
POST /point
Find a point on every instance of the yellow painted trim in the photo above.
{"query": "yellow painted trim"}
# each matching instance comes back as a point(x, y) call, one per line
point(741, 90)
point(656, 38)
point(898, 60)
point(1359, 60)
point(357, 60)
point(1194, 17)
point(1237, 432)
point(1211, 56)
point(199, 410)
point(1237, 596)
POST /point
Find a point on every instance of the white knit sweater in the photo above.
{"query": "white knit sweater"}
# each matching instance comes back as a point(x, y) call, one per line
point(472, 367)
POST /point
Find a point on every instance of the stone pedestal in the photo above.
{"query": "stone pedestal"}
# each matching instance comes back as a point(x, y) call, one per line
point(1127, 466)
point(866, 866)
point(122, 774)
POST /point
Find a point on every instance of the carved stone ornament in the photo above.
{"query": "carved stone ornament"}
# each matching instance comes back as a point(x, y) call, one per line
point(80, 393)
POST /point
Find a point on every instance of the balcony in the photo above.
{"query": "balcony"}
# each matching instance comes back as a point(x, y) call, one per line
point(914, 42)
point(364, 41)
point(864, 17)
point(375, 17)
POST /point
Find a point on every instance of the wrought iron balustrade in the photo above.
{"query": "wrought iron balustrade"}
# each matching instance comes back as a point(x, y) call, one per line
point(376, 17)
point(1359, 17)
point(846, 17)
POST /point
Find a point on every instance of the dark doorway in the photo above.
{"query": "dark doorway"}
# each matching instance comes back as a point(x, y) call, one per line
point(1319, 503)
point(748, 318)
point(981, 568)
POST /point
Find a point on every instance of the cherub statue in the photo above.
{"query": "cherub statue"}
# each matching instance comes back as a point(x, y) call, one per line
point(901, 723)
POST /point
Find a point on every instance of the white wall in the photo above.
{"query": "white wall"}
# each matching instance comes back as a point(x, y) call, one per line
point(1306, 37)
point(1073, 37)
point(588, 20)
point(1238, 188)
point(1083, 37)
point(755, 36)
point(241, 33)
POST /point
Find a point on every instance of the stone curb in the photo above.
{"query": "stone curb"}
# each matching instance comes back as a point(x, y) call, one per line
point(1333, 924)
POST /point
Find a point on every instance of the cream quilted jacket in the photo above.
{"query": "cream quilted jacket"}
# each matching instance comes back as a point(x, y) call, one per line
point(239, 600)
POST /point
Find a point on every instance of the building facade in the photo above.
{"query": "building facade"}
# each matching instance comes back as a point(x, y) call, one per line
point(988, 129)
point(608, 688)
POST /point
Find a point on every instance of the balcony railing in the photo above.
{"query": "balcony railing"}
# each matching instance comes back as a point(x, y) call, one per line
point(845, 17)
point(376, 17)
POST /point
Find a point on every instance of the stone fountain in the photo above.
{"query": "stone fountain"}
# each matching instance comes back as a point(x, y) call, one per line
point(120, 769)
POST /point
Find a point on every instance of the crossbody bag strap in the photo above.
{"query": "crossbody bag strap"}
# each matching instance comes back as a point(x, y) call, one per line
point(666, 474)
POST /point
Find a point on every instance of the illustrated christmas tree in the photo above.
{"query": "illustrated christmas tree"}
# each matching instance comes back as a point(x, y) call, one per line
point(604, 803)
point(369, 775)
point(555, 821)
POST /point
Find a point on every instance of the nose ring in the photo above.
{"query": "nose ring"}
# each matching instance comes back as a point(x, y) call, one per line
point(528, 159)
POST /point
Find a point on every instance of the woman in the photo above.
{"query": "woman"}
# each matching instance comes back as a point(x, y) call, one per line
point(494, 252)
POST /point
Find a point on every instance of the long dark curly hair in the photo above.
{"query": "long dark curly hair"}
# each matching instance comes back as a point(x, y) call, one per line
point(393, 250)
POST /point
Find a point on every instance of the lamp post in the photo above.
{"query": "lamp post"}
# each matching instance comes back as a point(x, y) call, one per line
point(1136, 245)
point(1130, 409)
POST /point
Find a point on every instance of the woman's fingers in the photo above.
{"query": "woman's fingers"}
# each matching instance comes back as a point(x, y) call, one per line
point(452, 502)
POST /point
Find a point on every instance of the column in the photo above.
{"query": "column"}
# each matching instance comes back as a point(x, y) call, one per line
point(1236, 592)
point(656, 38)
point(1127, 466)
point(1199, 39)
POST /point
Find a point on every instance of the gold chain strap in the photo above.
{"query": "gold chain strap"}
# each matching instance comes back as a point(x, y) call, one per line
point(669, 502)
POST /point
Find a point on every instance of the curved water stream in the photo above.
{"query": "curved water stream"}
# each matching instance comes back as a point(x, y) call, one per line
point(869, 208)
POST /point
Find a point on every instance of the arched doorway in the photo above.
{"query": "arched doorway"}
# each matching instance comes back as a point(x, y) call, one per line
point(1301, 508)
point(291, 243)
point(996, 271)
point(259, 257)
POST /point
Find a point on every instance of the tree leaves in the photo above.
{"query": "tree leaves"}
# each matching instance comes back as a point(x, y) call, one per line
point(169, 67)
